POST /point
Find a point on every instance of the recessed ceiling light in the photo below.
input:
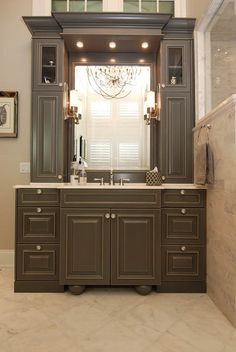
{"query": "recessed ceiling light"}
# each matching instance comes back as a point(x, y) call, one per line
point(80, 44)
point(112, 60)
point(141, 61)
point(84, 59)
point(145, 45)
point(112, 45)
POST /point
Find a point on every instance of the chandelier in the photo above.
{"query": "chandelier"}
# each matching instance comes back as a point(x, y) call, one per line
point(113, 81)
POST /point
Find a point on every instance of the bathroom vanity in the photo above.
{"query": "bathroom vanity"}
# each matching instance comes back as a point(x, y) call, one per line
point(135, 235)
point(132, 235)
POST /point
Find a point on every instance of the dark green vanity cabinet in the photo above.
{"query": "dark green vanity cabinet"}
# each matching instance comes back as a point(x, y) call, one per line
point(49, 155)
point(177, 113)
point(183, 244)
point(117, 243)
point(139, 237)
point(37, 248)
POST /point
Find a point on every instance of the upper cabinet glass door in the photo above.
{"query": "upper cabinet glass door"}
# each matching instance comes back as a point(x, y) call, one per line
point(48, 57)
point(176, 64)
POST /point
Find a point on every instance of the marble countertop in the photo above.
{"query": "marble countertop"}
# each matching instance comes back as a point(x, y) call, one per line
point(97, 186)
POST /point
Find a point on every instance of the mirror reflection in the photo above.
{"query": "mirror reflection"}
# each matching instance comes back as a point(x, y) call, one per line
point(112, 132)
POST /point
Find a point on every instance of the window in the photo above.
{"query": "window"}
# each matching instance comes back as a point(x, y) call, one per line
point(77, 5)
point(150, 6)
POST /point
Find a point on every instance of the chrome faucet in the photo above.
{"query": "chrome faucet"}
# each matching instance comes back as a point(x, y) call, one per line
point(111, 183)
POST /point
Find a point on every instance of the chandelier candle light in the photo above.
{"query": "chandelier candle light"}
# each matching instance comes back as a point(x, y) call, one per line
point(113, 81)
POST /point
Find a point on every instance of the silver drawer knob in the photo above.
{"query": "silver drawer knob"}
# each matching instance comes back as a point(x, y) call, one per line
point(113, 216)
point(107, 216)
point(38, 210)
point(182, 192)
point(163, 85)
point(38, 248)
point(183, 248)
point(163, 178)
point(39, 191)
point(59, 177)
point(183, 211)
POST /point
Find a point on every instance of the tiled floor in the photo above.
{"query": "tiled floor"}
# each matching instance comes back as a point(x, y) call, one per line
point(110, 320)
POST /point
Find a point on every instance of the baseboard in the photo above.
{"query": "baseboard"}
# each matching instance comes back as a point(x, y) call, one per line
point(7, 258)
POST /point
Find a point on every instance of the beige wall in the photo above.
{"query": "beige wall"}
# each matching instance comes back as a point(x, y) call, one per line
point(15, 75)
point(196, 8)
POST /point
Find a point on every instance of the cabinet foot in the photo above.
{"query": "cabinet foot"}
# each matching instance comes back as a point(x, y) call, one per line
point(143, 290)
point(76, 290)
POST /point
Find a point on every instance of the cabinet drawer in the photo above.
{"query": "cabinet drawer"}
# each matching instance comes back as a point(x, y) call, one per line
point(38, 196)
point(183, 225)
point(37, 262)
point(183, 263)
point(38, 224)
point(111, 198)
point(183, 198)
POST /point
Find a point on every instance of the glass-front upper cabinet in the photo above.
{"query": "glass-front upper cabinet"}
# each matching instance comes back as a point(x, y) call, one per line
point(77, 5)
point(48, 67)
point(176, 64)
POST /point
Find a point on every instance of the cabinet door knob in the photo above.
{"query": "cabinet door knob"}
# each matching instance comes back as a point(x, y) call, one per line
point(38, 210)
point(183, 211)
point(183, 248)
point(163, 85)
point(163, 178)
point(182, 192)
point(38, 248)
point(39, 191)
point(60, 84)
point(113, 216)
point(59, 177)
point(107, 216)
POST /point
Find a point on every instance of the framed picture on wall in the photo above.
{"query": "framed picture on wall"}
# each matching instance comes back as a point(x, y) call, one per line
point(8, 114)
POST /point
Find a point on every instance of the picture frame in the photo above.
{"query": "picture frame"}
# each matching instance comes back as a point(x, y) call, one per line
point(8, 114)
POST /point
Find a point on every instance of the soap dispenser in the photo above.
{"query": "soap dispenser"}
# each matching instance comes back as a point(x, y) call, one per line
point(82, 172)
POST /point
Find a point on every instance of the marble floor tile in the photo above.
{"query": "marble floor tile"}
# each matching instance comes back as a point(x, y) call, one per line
point(110, 320)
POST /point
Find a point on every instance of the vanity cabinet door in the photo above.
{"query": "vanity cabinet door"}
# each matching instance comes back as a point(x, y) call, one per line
point(176, 137)
point(85, 246)
point(47, 137)
point(135, 247)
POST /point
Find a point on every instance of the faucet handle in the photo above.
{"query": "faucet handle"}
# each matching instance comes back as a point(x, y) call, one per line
point(101, 180)
point(123, 180)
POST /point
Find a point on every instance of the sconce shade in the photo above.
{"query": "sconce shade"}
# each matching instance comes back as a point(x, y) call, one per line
point(150, 101)
point(74, 98)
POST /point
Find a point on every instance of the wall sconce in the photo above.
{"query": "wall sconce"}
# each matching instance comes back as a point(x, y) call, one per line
point(152, 106)
point(75, 107)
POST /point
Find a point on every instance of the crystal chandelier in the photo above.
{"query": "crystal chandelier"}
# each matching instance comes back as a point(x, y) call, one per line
point(113, 81)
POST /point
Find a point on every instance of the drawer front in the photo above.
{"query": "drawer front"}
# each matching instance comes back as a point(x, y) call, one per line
point(183, 225)
point(111, 198)
point(38, 224)
point(37, 262)
point(38, 196)
point(183, 198)
point(183, 263)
